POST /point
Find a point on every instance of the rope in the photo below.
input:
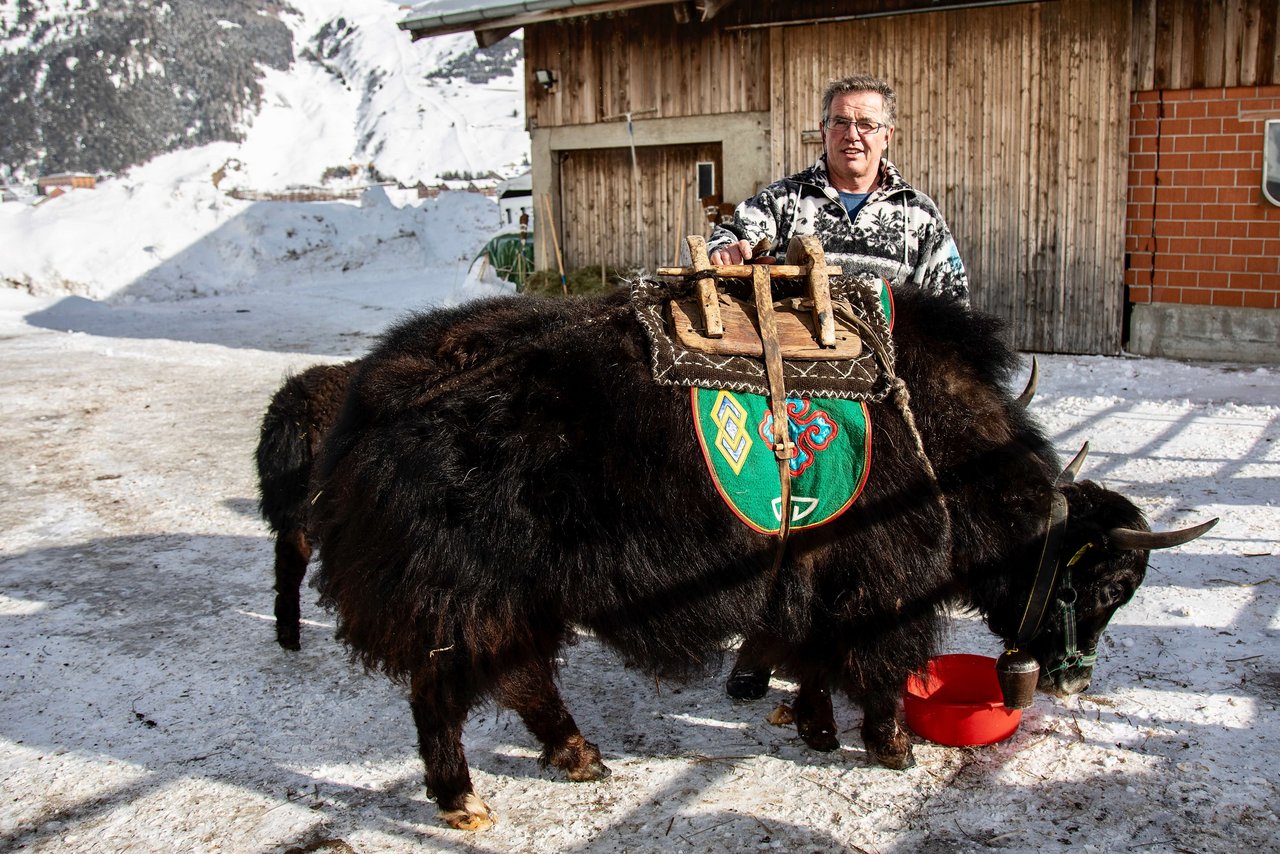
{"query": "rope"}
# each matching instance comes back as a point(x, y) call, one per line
point(902, 399)
point(1072, 655)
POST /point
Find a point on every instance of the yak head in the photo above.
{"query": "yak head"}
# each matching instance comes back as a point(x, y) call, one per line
point(1101, 558)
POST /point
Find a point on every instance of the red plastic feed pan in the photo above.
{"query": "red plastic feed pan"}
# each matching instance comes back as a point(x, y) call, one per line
point(958, 703)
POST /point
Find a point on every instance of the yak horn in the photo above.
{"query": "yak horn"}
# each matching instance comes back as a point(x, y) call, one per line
point(1024, 399)
point(1073, 468)
point(1127, 539)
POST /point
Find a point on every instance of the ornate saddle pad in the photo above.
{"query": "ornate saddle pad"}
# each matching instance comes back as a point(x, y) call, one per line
point(833, 455)
point(674, 363)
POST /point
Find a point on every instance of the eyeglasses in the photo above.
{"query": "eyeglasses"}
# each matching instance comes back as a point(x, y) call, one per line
point(865, 127)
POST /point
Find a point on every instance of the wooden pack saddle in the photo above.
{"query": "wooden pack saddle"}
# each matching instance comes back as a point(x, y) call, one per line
point(805, 328)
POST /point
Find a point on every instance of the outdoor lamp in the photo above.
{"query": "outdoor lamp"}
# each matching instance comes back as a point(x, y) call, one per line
point(545, 77)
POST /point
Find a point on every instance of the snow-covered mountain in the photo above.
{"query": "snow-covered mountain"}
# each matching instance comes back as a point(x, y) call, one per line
point(102, 86)
point(377, 98)
point(312, 91)
point(351, 103)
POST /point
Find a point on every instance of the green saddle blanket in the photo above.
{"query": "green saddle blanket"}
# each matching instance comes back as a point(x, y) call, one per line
point(833, 455)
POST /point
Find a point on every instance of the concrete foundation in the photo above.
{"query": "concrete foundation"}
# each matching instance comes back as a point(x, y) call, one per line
point(1205, 332)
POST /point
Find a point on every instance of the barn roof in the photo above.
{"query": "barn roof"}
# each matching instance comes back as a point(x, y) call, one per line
point(519, 185)
point(493, 19)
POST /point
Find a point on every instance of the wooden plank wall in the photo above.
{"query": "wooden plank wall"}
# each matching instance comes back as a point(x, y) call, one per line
point(609, 217)
point(1015, 120)
point(1193, 44)
point(645, 63)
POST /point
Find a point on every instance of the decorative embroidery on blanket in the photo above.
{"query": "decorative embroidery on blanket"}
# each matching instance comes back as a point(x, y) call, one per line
point(833, 455)
point(855, 379)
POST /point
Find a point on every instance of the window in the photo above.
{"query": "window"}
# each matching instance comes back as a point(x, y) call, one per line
point(707, 179)
point(1271, 162)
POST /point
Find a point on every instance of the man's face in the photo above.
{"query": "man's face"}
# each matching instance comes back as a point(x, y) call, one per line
point(853, 156)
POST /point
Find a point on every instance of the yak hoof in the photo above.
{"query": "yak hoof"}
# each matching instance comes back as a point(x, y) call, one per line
point(579, 759)
point(474, 814)
point(289, 638)
point(892, 750)
point(895, 761)
point(819, 738)
point(748, 684)
point(594, 770)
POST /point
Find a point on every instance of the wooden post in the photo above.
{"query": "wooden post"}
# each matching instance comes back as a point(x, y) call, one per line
point(746, 271)
point(806, 250)
point(708, 297)
point(542, 241)
point(546, 202)
point(684, 188)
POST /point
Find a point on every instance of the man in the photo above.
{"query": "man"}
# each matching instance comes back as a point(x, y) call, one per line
point(854, 200)
point(867, 217)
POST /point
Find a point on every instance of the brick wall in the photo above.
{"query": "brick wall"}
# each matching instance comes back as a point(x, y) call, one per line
point(1198, 230)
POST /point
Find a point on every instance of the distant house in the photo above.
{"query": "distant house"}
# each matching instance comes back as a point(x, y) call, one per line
point(515, 198)
point(1100, 161)
point(46, 185)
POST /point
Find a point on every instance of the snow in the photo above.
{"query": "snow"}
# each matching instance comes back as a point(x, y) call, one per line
point(148, 708)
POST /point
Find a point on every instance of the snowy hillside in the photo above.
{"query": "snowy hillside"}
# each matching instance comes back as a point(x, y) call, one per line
point(105, 91)
point(98, 87)
point(363, 95)
point(360, 105)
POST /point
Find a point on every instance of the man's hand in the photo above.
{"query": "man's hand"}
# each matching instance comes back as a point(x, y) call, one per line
point(734, 253)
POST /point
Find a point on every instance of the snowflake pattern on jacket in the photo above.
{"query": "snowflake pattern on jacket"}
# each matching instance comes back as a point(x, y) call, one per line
point(899, 233)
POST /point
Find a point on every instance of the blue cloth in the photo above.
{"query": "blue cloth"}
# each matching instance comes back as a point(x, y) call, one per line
point(852, 202)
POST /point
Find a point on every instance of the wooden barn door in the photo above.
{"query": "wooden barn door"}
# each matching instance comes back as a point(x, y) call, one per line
point(1015, 120)
point(624, 218)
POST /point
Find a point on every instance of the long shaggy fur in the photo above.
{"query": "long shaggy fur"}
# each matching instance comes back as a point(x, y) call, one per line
point(998, 471)
point(565, 487)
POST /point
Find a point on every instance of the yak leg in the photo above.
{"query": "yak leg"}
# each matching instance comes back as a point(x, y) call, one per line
point(439, 720)
point(883, 735)
point(530, 690)
point(749, 679)
point(885, 739)
point(815, 720)
point(292, 554)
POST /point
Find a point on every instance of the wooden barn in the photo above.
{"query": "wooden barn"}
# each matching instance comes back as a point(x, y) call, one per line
point(49, 185)
point(1099, 161)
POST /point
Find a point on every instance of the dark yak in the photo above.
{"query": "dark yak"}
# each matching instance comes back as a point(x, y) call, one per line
point(507, 471)
point(300, 414)
point(297, 419)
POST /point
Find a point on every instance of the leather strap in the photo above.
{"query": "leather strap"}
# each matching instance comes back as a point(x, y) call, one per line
point(783, 448)
point(1046, 572)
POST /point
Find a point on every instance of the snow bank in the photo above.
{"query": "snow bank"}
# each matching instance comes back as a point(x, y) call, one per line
point(166, 232)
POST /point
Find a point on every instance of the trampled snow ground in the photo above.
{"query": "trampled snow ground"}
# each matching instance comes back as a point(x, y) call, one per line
point(146, 706)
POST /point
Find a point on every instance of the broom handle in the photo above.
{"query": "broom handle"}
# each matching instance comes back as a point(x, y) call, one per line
point(546, 201)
